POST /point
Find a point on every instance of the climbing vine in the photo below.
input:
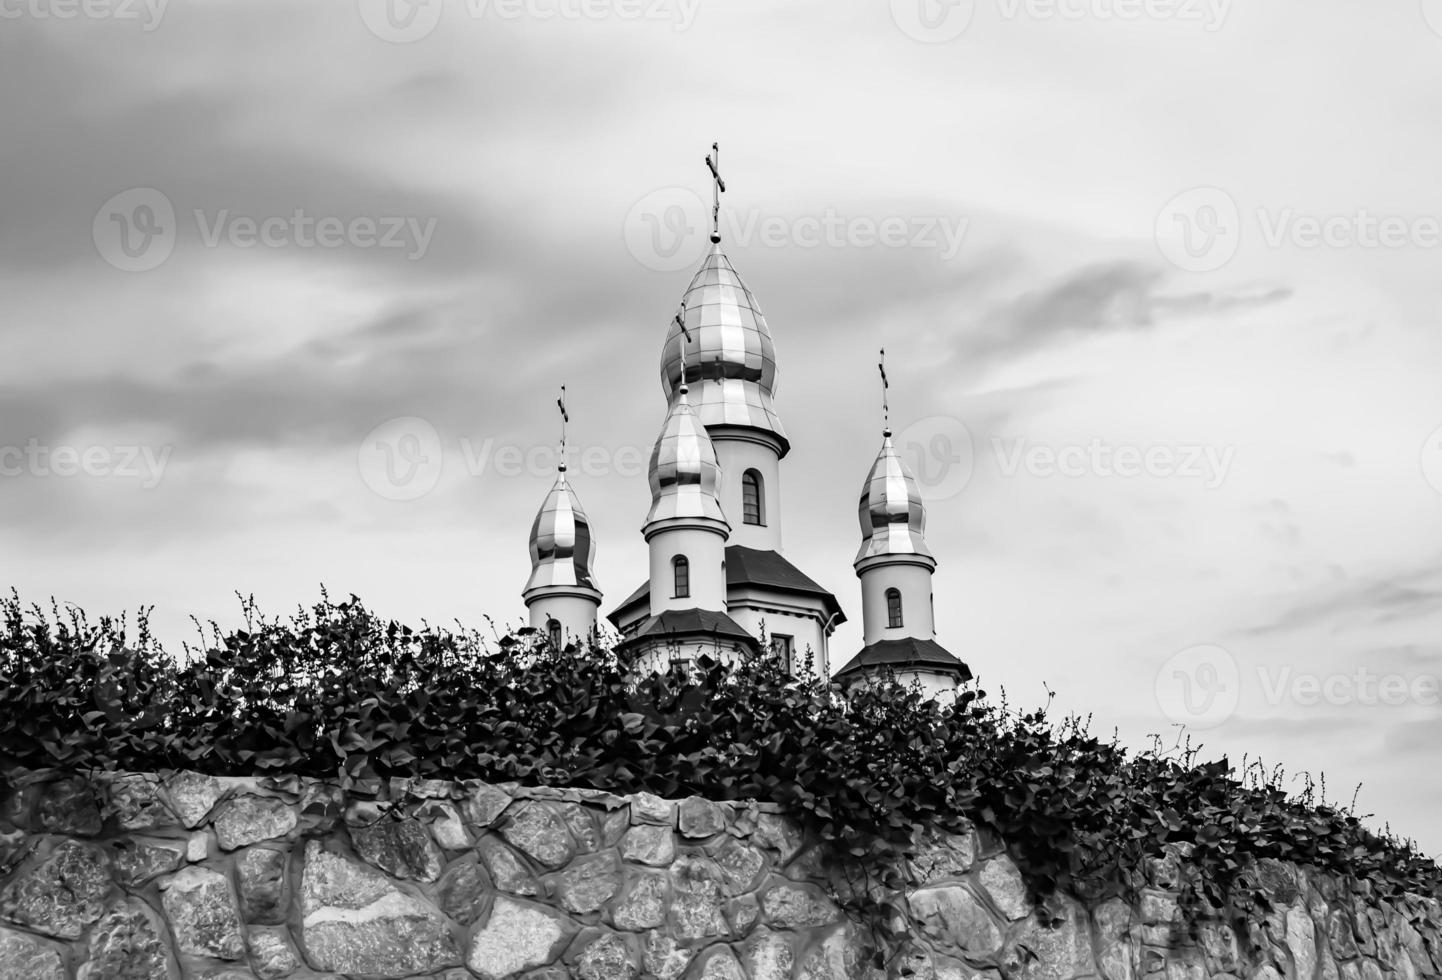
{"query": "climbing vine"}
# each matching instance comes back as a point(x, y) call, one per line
point(339, 693)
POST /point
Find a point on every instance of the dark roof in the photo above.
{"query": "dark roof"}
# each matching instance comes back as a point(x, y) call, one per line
point(752, 566)
point(690, 624)
point(905, 653)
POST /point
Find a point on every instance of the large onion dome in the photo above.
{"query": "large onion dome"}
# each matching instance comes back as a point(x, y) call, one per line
point(893, 518)
point(562, 549)
point(684, 474)
point(731, 360)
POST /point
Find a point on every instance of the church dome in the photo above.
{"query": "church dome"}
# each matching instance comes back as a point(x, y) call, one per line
point(731, 360)
point(893, 518)
point(684, 474)
point(562, 549)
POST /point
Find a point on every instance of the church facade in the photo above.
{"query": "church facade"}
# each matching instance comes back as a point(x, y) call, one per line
point(719, 582)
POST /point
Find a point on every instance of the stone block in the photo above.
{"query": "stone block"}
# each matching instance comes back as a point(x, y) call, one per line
point(537, 830)
point(245, 820)
point(768, 956)
point(698, 818)
point(464, 890)
point(507, 869)
point(644, 904)
point(200, 907)
point(357, 921)
point(956, 921)
point(649, 808)
point(652, 844)
point(1003, 882)
point(516, 937)
point(402, 848)
point(128, 944)
point(261, 872)
point(271, 952)
point(25, 956)
point(588, 882)
point(483, 804)
point(63, 895)
point(138, 861)
point(192, 796)
point(793, 906)
point(607, 957)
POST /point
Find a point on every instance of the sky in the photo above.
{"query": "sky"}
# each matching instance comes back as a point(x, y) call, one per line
point(289, 288)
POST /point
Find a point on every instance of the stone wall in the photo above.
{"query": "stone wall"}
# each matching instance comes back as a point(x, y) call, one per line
point(133, 877)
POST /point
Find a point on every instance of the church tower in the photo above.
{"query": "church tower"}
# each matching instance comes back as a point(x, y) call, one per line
point(686, 532)
point(895, 568)
point(719, 357)
point(561, 595)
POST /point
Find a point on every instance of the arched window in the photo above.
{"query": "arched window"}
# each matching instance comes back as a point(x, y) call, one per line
point(553, 629)
point(893, 608)
point(752, 509)
point(681, 572)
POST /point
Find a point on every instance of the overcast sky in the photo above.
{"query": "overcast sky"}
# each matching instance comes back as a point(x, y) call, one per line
point(292, 285)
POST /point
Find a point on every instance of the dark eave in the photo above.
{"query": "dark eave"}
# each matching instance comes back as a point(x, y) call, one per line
point(905, 654)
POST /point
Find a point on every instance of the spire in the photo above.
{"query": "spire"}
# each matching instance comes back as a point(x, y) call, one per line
point(684, 475)
point(892, 515)
point(731, 364)
point(885, 407)
point(718, 187)
point(565, 417)
point(562, 549)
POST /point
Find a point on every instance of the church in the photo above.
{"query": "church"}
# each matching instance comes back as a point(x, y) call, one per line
point(719, 583)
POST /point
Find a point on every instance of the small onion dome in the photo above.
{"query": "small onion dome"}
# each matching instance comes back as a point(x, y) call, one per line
point(893, 518)
point(685, 477)
point(562, 549)
point(731, 360)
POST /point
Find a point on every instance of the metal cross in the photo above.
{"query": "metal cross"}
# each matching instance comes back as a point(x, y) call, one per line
point(885, 406)
point(718, 187)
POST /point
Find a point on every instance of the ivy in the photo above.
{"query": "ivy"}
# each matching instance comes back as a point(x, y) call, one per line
point(338, 693)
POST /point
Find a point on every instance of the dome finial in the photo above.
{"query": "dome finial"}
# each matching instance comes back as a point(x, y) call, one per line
point(885, 406)
point(685, 343)
point(565, 417)
point(718, 186)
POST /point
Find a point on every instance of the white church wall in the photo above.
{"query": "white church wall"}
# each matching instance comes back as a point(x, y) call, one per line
point(914, 581)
